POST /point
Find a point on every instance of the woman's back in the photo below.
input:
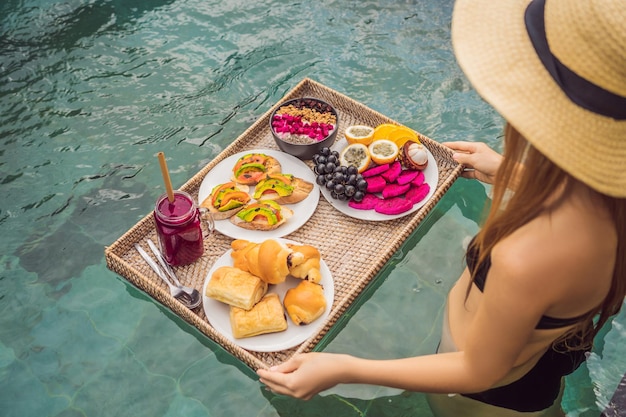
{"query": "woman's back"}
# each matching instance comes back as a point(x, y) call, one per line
point(559, 265)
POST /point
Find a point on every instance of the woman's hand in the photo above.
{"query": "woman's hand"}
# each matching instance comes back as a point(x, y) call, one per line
point(481, 161)
point(304, 375)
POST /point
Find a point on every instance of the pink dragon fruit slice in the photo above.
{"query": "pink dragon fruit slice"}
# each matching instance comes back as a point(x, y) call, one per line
point(391, 175)
point(408, 175)
point(419, 180)
point(395, 205)
point(394, 190)
point(375, 184)
point(369, 202)
point(417, 194)
point(377, 170)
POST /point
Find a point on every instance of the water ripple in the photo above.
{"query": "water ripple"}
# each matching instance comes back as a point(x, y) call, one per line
point(92, 90)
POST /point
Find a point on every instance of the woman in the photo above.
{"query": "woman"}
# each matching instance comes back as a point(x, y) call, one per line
point(548, 268)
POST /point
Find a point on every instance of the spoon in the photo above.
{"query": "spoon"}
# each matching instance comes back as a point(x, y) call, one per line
point(192, 292)
point(176, 292)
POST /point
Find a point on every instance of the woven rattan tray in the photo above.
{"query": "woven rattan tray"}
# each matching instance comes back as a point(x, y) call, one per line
point(352, 266)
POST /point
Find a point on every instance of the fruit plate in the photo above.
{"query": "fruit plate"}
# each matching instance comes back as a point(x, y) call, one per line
point(431, 175)
point(302, 211)
point(218, 313)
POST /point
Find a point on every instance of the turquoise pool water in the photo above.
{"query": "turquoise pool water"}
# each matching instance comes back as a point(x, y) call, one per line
point(91, 90)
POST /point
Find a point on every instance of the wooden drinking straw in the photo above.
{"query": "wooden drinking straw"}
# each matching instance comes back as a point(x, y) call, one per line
point(166, 177)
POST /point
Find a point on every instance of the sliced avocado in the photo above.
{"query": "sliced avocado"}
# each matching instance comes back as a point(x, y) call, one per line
point(257, 210)
point(272, 204)
point(231, 198)
point(214, 189)
point(218, 191)
point(220, 195)
point(231, 205)
point(286, 178)
point(250, 158)
point(249, 167)
point(272, 184)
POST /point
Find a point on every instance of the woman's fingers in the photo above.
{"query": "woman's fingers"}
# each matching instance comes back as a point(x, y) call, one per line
point(481, 162)
point(304, 375)
point(462, 146)
point(275, 381)
point(276, 378)
point(464, 152)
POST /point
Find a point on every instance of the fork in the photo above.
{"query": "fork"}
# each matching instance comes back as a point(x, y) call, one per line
point(176, 292)
point(168, 270)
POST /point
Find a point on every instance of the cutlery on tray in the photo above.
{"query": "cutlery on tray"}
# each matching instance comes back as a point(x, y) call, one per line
point(189, 297)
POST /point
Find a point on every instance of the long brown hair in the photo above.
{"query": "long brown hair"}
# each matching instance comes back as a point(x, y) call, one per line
point(535, 179)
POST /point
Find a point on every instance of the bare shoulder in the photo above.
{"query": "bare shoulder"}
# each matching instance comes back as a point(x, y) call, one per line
point(561, 256)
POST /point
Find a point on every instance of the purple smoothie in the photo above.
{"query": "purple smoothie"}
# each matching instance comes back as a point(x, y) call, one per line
point(178, 229)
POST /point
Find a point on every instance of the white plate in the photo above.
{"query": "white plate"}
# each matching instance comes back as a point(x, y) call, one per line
point(302, 211)
point(431, 177)
point(218, 313)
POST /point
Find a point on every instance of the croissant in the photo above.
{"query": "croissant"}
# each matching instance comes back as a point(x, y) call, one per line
point(245, 255)
point(305, 303)
point(306, 266)
point(268, 260)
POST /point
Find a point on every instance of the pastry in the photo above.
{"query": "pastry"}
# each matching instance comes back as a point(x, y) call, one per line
point(235, 287)
point(245, 255)
point(306, 266)
point(267, 316)
point(268, 259)
point(305, 303)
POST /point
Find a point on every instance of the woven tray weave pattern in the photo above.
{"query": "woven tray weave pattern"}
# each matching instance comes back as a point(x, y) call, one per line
point(352, 266)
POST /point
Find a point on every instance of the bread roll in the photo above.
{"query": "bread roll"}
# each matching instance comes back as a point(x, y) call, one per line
point(235, 287)
point(267, 316)
point(305, 303)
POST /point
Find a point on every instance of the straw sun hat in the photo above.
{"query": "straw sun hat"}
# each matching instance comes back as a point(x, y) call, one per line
point(563, 87)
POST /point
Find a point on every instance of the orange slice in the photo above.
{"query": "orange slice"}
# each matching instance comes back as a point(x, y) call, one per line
point(355, 154)
point(401, 140)
point(382, 131)
point(359, 134)
point(383, 151)
point(402, 134)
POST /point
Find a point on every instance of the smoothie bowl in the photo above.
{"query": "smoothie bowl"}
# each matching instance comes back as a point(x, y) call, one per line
point(303, 126)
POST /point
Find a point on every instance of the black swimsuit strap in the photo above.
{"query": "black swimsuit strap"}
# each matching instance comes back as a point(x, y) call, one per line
point(480, 278)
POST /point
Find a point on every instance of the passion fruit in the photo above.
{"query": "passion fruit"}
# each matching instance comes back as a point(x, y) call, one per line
point(359, 134)
point(357, 155)
point(383, 151)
